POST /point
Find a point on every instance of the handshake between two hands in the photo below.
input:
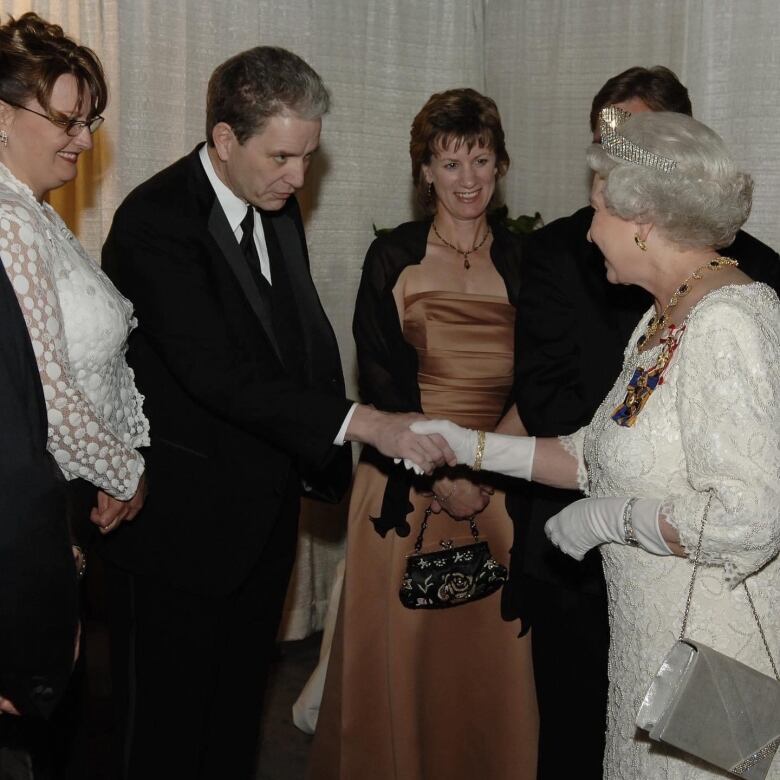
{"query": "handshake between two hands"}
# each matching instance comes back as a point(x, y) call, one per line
point(456, 444)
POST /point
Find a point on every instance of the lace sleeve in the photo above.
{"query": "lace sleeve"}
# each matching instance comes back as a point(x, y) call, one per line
point(78, 437)
point(729, 405)
point(573, 444)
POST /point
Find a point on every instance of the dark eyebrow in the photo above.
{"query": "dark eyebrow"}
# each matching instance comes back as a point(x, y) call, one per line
point(283, 153)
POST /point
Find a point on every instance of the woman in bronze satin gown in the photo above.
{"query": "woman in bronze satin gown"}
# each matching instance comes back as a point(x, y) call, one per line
point(432, 694)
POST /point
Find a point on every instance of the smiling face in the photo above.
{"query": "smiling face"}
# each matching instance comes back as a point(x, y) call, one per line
point(40, 153)
point(615, 238)
point(464, 179)
point(271, 165)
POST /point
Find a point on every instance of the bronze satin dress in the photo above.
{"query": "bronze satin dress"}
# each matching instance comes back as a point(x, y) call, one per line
point(440, 694)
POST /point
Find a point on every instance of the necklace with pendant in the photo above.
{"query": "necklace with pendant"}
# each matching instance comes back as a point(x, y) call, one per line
point(466, 253)
point(661, 322)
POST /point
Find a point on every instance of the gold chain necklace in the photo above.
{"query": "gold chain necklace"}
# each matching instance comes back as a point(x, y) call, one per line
point(659, 323)
point(466, 263)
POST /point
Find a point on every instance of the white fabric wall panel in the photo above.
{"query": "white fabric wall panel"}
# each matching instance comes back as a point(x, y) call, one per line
point(545, 59)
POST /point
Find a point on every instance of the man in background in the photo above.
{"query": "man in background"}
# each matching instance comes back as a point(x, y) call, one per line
point(572, 329)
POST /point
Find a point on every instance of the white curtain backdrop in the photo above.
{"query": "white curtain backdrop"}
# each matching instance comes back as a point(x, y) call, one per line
point(542, 60)
point(546, 59)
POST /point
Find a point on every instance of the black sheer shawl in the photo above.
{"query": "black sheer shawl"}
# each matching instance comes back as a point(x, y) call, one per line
point(387, 364)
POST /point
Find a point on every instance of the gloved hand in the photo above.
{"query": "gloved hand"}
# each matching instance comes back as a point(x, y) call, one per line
point(510, 455)
point(590, 522)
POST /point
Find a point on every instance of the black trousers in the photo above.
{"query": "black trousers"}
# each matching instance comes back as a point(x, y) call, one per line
point(570, 644)
point(190, 670)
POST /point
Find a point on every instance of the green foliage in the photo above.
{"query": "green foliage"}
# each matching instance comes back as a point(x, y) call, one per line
point(520, 225)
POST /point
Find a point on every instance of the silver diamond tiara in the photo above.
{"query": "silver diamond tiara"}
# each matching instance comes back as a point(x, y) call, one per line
point(620, 148)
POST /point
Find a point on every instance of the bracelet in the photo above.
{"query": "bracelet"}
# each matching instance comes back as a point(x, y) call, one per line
point(629, 534)
point(480, 451)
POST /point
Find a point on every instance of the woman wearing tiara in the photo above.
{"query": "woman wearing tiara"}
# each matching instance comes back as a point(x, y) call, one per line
point(441, 693)
point(690, 430)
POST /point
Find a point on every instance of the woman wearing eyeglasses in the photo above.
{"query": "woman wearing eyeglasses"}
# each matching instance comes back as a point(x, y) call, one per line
point(52, 91)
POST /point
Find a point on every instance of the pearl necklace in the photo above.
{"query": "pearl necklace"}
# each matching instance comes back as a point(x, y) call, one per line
point(659, 323)
point(477, 246)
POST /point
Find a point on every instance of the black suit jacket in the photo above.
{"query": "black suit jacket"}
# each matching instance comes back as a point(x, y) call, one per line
point(38, 592)
point(572, 329)
point(231, 430)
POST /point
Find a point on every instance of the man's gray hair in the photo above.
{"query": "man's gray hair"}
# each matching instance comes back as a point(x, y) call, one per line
point(702, 202)
point(250, 87)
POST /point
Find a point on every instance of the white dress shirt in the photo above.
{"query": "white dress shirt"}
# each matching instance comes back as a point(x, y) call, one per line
point(235, 211)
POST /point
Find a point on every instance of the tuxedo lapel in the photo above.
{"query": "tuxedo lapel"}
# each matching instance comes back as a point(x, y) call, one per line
point(322, 357)
point(219, 228)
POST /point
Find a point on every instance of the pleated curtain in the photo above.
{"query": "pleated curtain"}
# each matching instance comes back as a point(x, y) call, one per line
point(542, 61)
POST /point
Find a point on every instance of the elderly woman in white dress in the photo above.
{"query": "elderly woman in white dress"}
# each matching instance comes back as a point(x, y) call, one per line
point(691, 427)
point(51, 94)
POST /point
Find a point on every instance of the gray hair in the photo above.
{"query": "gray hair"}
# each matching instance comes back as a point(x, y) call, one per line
point(701, 203)
point(251, 87)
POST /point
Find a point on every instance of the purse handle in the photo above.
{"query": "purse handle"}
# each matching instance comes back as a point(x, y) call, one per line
point(446, 545)
point(744, 585)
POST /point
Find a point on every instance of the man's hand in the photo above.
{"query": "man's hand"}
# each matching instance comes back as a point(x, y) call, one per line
point(110, 512)
point(460, 498)
point(7, 707)
point(390, 434)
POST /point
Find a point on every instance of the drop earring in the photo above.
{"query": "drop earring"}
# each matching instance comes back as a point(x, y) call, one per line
point(640, 243)
point(3, 137)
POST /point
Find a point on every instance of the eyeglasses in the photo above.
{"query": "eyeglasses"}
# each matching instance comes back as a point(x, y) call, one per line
point(72, 127)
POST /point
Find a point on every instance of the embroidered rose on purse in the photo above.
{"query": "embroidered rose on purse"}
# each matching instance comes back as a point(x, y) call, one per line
point(456, 587)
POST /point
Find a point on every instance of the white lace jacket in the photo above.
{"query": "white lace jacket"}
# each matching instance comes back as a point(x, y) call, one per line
point(78, 324)
point(711, 428)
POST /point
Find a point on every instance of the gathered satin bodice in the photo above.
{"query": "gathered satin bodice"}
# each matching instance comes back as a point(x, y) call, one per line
point(465, 351)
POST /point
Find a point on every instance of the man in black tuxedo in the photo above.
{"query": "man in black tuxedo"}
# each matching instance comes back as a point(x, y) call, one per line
point(38, 592)
point(244, 392)
point(572, 328)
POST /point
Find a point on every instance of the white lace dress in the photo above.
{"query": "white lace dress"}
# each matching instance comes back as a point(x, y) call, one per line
point(78, 324)
point(713, 425)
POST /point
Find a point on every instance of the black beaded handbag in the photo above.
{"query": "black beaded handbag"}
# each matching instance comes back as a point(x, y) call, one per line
point(451, 576)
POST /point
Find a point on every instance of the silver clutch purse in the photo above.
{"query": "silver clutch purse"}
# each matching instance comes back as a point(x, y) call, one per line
point(712, 706)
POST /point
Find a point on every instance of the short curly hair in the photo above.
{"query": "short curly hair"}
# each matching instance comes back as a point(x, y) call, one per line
point(461, 115)
point(702, 202)
point(34, 53)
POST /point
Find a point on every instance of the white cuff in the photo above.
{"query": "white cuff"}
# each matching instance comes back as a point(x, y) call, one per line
point(341, 435)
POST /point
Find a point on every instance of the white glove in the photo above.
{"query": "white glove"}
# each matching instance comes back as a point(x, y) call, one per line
point(590, 522)
point(410, 465)
point(510, 455)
